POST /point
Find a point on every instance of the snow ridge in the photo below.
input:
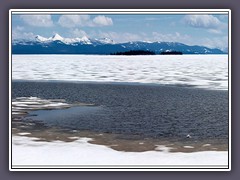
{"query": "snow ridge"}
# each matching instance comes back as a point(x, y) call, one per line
point(83, 40)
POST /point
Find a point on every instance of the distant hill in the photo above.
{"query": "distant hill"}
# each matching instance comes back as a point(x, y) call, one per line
point(85, 45)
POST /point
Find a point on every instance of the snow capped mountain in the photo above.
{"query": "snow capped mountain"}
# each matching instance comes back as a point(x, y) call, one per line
point(84, 40)
point(40, 38)
point(85, 45)
point(106, 41)
point(57, 37)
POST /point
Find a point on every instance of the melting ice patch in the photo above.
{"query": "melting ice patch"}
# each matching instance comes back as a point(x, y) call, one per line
point(22, 105)
point(26, 151)
point(204, 71)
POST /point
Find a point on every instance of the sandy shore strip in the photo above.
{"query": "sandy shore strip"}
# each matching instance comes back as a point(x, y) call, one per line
point(116, 142)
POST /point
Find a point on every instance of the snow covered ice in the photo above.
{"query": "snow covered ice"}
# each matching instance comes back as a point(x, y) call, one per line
point(27, 152)
point(204, 71)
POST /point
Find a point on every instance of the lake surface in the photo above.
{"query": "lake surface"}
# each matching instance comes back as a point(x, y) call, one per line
point(204, 71)
point(142, 110)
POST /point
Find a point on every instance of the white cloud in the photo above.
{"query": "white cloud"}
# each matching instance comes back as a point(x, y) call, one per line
point(19, 28)
point(141, 36)
point(171, 37)
point(215, 31)
point(221, 43)
point(74, 20)
point(19, 34)
point(37, 20)
point(202, 21)
point(83, 20)
point(102, 21)
point(119, 37)
point(223, 17)
point(210, 23)
point(78, 33)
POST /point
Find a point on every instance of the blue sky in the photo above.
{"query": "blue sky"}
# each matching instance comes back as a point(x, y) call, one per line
point(192, 29)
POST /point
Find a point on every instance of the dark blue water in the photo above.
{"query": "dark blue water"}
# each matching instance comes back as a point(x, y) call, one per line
point(143, 110)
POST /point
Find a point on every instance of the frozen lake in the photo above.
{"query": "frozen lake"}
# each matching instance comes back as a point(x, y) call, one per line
point(204, 71)
point(156, 115)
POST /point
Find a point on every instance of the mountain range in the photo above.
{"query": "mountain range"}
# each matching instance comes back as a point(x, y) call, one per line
point(84, 45)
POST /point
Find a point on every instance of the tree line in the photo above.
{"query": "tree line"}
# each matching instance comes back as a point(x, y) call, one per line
point(134, 52)
point(146, 52)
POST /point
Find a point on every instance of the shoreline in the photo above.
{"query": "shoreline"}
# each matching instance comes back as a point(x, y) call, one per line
point(28, 152)
point(117, 142)
point(113, 139)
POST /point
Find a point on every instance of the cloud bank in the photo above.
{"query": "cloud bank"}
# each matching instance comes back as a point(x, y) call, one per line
point(37, 20)
point(84, 20)
point(202, 21)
